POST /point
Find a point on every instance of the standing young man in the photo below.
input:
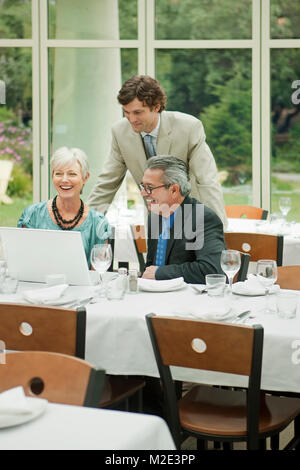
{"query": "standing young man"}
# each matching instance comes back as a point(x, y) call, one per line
point(171, 133)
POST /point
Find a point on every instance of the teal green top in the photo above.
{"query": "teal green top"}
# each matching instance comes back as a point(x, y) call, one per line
point(95, 229)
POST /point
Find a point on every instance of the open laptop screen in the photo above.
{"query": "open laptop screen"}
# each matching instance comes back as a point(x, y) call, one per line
point(34, 253)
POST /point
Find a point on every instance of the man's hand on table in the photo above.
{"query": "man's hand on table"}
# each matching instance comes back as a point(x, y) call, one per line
point(149, 272)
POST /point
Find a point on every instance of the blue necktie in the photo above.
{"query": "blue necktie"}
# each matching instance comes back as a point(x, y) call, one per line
point(150, 150)
point(163, 241)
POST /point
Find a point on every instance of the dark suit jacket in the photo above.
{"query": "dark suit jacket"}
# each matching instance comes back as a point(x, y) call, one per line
point(195, 244)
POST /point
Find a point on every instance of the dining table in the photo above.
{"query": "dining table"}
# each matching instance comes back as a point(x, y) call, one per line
point(118, 341)
point(69, 427)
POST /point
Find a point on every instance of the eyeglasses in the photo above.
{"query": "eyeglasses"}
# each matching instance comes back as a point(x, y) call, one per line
point(149, 190)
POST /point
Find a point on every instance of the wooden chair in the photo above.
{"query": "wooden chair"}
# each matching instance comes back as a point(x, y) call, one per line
point(257, 245)
point(214, 413)
point(111, 240)
point(236, 211)
point(59, 378)
point(40, 328)
point(289, 277)
point(140, 244)
point(242, 273)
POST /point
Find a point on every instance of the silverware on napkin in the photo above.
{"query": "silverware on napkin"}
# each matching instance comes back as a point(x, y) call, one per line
point(241, 317)
point(199, 290)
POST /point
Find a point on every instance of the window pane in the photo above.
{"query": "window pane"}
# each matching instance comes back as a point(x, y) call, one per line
point(15, 134)
point(285, 19)
point(203, 19)
point(15, 19)
point(83, 102)
point(92, 19)
point(215, 86)
point(285, 71)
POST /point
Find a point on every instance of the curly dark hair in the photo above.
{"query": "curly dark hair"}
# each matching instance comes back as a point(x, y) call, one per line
point(145, 89)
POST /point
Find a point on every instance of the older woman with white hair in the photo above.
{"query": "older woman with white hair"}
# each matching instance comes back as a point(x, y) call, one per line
point(66, 211)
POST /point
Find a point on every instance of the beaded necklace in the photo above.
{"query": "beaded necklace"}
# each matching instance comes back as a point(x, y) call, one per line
point(60, 221)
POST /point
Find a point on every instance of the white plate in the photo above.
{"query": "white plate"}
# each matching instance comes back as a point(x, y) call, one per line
point(249, 294)
point(38, 407)
point(63, 300)
point(159, 286)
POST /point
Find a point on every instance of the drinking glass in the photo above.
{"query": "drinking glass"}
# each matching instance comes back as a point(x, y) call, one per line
point(266, 272)
point(101, 258)
point(230, 264)
point(285, 205)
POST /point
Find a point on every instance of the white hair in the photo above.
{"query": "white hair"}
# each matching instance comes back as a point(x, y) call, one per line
point(65, 156)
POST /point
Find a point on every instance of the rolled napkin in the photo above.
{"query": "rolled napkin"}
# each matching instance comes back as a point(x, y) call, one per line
point(152, 285)
point(252, 286)
point(45, 295)
point(14, 401)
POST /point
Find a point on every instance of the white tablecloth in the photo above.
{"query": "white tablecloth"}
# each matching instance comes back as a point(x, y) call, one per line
point(117, 338)
point(290, 231)
point(66, 427)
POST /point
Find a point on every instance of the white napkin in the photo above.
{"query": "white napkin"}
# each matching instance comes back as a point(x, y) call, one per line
point(209, 308)
point(45, 295)
point(152, 285)
point(252, 286)
point(13, 401)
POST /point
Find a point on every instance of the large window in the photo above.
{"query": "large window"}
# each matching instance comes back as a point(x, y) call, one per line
point(16, 145)
point(231, 64)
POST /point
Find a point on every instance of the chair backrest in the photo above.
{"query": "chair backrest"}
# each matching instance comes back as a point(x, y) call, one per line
point(59, 378)
point(237, 211)
point(243, 271)
point(257, 245)
point(221, 347)
point(140, 244)
point(111, 240)
point(39, 328)
point(289, 277)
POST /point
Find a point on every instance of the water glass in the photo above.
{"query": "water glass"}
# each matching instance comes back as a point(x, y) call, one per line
point(215, 284)
point(9, 285)
point(230, 264)
point(286, 303)
point(266, 274)
point(115, 289)
point(285, 204)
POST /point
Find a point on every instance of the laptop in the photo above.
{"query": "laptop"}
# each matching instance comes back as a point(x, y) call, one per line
point(34, 253)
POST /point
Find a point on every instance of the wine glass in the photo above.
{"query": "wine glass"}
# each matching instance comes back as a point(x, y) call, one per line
point(266, 272)
point(285, 205)
point(230, 264)
point(101, 258)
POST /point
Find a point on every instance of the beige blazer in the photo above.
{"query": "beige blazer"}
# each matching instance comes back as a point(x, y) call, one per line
point(180, 135)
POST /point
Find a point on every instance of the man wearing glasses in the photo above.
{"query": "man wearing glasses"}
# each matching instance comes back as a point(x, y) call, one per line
point(147, 130)
point(185, 238)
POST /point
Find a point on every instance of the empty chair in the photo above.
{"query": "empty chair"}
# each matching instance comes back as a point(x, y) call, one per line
point(214, 413)
point(41, 328)
point(53, 329)
point(237, 211)
point(289, 277)
point(59, 378)
point(140, 244)
point(257, 245)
